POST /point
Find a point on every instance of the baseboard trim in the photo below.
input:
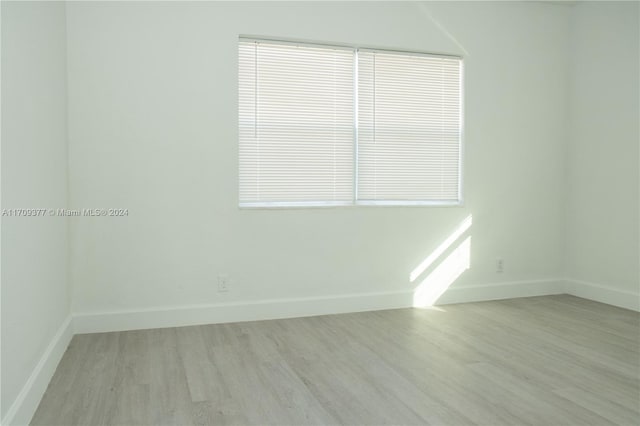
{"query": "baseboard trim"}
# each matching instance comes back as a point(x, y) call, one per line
point(97, 322)
point(603, 294)
point(237, 312)
point(499, 291)
point(26, 403)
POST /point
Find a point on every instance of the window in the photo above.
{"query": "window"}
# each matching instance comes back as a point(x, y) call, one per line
point(329, 125)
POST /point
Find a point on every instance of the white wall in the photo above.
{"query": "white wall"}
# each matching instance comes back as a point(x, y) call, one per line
point(603, 157)
point(152, 101)
point(35, 296)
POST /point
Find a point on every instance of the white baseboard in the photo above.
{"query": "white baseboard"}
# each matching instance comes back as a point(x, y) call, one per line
point(237, 312)
point(96, 322)
point(602, 293)
point(26, 403)
point(498, 291)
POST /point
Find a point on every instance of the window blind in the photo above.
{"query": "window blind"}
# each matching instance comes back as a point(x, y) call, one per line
point(409, 128)
point(296, 128)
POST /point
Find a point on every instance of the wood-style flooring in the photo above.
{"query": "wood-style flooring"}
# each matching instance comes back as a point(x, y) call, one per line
point(554, 360)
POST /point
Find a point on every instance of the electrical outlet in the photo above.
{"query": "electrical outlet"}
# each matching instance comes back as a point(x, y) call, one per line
point(499, 265)
point(223, 283)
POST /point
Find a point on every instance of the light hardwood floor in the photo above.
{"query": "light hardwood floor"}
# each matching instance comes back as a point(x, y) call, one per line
point(556, 360)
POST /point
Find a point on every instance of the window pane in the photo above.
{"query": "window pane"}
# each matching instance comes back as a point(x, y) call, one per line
point(296, 125)
point(409, 127)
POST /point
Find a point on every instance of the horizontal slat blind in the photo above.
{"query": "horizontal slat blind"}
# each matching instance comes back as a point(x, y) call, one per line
point(296, 124)
point(409, 127)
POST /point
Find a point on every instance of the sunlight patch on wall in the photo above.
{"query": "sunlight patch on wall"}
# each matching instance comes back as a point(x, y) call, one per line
point(442, 276)
point(462, 228)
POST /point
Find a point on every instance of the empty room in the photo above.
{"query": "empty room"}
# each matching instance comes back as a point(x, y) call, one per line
point(330, 212)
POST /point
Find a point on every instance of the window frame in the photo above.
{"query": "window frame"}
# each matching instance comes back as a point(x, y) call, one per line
point(355, 202)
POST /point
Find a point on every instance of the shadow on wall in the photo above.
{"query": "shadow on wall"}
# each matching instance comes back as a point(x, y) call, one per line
point(442, 272)
point(424, 10)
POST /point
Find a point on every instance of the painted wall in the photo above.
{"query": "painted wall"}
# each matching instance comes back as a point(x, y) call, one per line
point(153, 107)
point(35, 296)
point(603, 156)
